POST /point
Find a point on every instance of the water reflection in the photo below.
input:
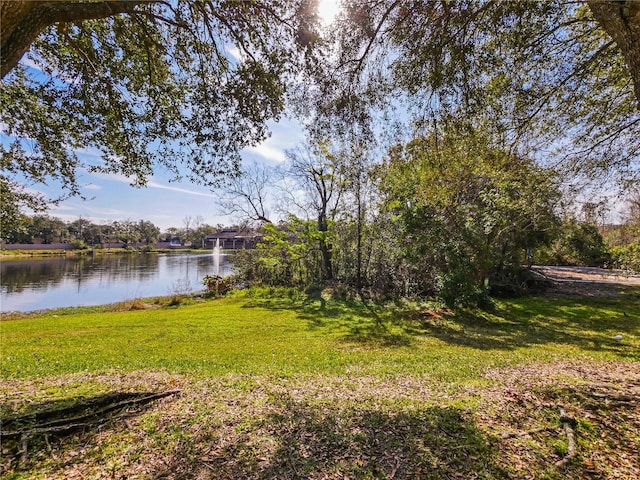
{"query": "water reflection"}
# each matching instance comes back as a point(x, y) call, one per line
point(56, 282)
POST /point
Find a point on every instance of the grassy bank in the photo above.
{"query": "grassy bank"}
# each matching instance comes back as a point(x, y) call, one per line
point(289, 385)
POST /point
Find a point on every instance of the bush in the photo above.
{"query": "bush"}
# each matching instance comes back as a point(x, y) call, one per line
point(458, 290)
point(217, 285)
point(245, 265)
point(79, 245)
point(578, 244)
point(626, 257)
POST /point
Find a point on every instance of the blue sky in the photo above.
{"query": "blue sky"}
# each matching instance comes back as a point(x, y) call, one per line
point(165, 203)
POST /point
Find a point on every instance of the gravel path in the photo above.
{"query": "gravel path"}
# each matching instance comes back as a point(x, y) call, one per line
point(589, 275)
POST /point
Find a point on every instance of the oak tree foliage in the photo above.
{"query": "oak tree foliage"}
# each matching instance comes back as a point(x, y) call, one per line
point(180, 85)
point(552, 79)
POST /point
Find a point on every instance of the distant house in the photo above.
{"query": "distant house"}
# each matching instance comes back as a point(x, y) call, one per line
point(232, 239)
point(175, 242)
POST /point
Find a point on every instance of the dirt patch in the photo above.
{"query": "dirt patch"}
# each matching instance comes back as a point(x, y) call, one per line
point(602, 398)
point(589, 281)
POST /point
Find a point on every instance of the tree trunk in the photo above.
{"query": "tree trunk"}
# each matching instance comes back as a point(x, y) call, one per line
point(359, 237)
point(325, 248)
point(22, 21)
point(621, 20)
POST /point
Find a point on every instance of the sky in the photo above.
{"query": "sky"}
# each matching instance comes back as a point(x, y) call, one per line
point(165, 203)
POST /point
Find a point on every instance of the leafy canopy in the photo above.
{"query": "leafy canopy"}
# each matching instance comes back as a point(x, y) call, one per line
point(542, 78)
point(181, 86)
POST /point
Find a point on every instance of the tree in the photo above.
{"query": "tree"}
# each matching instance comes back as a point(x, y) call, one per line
point(78, 227)
point(284, 255)
point(170, 233)
point(317, 171)
point(247, 194)
point(191, 227)
point(543, 78)
point(48, 229)
point(18, 231)
point(467, 212)
point(200, 232)
point(354, 214)
point(144, 84)
point(628, 231)
point(147, 231)
point(579, 243)
point(621, 20)
point(125, 231)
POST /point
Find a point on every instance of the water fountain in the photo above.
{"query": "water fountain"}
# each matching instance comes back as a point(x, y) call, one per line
point(216, 258)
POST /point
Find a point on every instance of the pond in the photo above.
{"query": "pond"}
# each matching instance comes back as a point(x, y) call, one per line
point(35, 284)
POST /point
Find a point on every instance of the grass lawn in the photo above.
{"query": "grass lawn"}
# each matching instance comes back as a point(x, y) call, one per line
point(282, 384)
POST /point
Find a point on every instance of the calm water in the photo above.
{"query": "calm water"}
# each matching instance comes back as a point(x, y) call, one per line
point(63, 282)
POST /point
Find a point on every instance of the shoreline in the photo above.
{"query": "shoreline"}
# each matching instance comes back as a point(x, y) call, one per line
point(144, 303)
point(17, 254)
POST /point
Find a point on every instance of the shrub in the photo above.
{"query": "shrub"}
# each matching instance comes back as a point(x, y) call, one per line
point(79, 245)
point(577, 244)
point(626, 257)
point(217, 285)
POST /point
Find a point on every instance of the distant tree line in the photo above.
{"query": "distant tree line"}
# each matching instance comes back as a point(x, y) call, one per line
point(47, 229)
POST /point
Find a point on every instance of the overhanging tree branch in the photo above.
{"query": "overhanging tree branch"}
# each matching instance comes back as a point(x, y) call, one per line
point(621, 20)
point(23, 21)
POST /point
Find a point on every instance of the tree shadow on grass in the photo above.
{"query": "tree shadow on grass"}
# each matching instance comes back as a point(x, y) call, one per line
point(586, 323)
point(583, 323)
point(362, 322)
point(45, 426)
point(297, 440)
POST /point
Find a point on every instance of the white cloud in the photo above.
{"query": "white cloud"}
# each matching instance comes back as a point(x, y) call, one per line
point(179, 190)
point(269, 151)
point(62, 208)
point(285, 134)
point(72, 212)
point(92, 186)
point(116, 177)
point(91, 210)
point(92, 152)
point(236, 53)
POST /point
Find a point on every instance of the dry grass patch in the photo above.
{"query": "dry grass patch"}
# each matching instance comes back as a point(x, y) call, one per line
point(319, 426)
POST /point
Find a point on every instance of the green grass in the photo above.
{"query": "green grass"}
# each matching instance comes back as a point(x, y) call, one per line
point(311, 334)
point(281, 384)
